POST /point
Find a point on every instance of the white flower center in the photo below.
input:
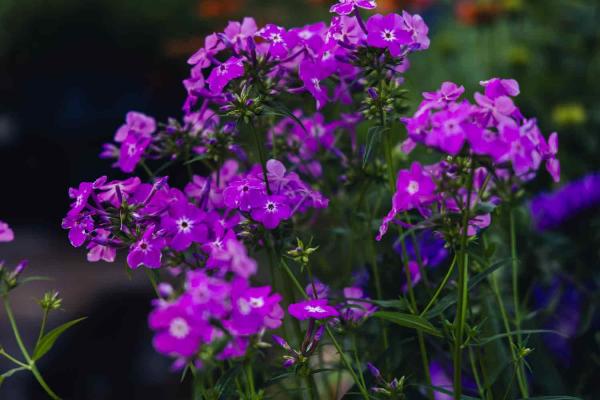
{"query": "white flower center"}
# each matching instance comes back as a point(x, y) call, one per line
point(222, 69)
point(184, 225)
point(131, 148)
point(256, 302)
point(144, 246)
point(270, 207)
point(316, 309)
point(413, 187)
point(79, 200)
point(276, 38)
point(388, 35)
point(179, 328)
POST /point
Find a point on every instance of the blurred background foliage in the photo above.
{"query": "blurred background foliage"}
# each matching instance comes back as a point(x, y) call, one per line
point(71, 69)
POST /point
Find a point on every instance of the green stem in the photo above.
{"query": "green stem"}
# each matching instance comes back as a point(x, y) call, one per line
point(152, 277)
point(522, 381)
point(13, 359)
point(343, 358)
point(32, 366)
point(15, 329)
point(462, 301)
point(250, 379)
point(440, 287)
point(337, 346)
point(43, 325)
point(480, 388)
point(261, 155)
point(42, 382)
point(415, 311)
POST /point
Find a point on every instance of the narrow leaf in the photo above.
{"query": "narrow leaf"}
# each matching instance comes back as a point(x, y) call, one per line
point(409, 321)
point(373, 140)
point(48, 340)
point(486, 340)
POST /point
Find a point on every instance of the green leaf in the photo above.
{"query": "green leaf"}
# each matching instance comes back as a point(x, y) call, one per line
point(195, 159)
point(34, 279)
point(48, 340)
point(486, 340)
point(373, 139)
point(226, 383)
point(282, 111)
point(409, 321)
point(449, 300)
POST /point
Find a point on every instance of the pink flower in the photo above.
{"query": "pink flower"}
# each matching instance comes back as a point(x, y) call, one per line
point(316, 309)
point(178, 332)
point(414, 188)
point(222, 74)
point(6, 234)
point(146, 251)
point(277, 37)
point(184, 225)
point(345, 7)
point(271, 210)
point(388, 32)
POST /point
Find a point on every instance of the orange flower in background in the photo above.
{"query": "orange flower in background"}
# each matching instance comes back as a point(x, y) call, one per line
point(473, 12)
point(387, 6)
point(219, 8)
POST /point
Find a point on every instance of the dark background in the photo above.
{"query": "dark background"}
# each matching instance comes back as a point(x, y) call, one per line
point(70, 70)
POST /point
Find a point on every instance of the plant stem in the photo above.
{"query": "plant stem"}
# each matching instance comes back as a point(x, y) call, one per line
point(250, 379)
point(480, 388)
point(522, 381)
point(463, 281)
point(32, 367)
point(363, 390)
point(43, 325)
point(337, 346)
point(261, 155)
point(440, 287)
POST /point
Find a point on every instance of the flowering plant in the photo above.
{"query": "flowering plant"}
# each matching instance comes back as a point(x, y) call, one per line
point(289, 143)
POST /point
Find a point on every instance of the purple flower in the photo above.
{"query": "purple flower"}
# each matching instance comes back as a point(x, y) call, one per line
point(388, 32)
point(345, 7)
point(80, 195)
point(137, 124)
point(232, 256)
point(243, 193)
point(222, 74)
point(237, 32)
point(271, 210)
point(146, 251)
point(316, 309)
point(414, 188)
point(355, 310)
point(251, 305)
point(550, 210)
point(313, 74)
point(99, 249)
point(116, 191)
point(440, 379)
point(418, 30)
point(497, 87)
point(178, 333)
point(6, 234)
point(277, 38)
point(79, 227)
point(184, 225)
point(322, 290)
point(131, 152)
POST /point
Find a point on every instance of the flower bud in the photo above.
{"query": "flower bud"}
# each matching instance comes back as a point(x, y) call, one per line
point(51, 301)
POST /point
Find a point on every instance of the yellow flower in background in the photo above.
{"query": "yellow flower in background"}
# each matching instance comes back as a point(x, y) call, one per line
point(569, 114)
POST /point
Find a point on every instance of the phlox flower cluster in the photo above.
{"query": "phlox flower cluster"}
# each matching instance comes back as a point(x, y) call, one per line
point(213, 312)
point(491, 150)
